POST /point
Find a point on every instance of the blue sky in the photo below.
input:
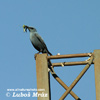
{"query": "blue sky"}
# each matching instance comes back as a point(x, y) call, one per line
point(67, 27)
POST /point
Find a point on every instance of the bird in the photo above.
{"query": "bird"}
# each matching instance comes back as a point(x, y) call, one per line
point(38, 43)
point(36, 40)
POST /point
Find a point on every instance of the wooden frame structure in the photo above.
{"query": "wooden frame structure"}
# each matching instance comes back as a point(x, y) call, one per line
point(43, 75)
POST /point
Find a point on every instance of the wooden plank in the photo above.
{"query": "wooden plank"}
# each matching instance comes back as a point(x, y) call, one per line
point(97, 72)
point(42, 76)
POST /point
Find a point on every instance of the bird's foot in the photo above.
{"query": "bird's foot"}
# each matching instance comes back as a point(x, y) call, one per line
point(36, 55)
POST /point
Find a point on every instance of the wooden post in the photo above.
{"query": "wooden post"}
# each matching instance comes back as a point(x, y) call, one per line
point(42, 77)
point(97, 72)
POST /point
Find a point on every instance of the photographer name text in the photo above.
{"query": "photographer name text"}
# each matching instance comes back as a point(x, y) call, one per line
point(26, 94)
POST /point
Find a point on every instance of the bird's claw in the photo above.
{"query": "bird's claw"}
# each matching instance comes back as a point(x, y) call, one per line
point(35, 56)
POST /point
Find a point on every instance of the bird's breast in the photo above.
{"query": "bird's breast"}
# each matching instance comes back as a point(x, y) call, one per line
point(35, 40)
point(32, 36)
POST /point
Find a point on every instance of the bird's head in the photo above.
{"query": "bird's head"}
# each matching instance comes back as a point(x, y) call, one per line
point(31, 29)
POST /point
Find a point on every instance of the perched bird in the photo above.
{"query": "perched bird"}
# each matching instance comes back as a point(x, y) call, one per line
point(36, 40)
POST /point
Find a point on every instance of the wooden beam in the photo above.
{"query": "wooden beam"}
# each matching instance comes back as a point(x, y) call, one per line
point(69, 56)
point(97, 72)
point(42, 76)
point(77, 79)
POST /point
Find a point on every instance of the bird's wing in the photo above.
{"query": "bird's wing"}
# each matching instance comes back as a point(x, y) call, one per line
point(43, 43)
point(41, 40)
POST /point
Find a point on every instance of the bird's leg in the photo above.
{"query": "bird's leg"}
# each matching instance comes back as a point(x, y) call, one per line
point(37, 53)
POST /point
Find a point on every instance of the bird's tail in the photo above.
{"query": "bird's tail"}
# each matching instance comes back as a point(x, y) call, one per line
point(50, 66)
point(49, 53)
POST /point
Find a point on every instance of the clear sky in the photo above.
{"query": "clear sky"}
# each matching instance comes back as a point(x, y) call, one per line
point(67, 27)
